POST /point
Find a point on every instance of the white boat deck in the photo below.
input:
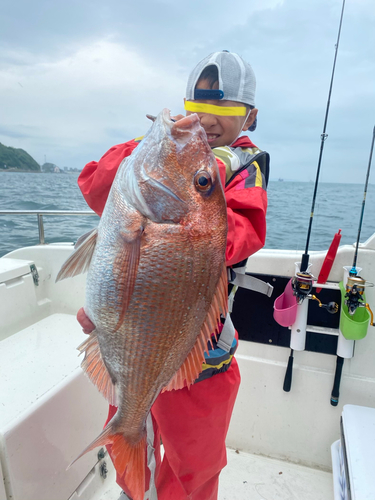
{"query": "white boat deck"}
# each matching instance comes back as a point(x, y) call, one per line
point(246, 476)
point(252, 477)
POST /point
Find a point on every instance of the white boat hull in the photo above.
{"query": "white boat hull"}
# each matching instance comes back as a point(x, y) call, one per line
point(50, 411)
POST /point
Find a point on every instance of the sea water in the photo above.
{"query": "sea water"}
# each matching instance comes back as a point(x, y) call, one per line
point(338, 206)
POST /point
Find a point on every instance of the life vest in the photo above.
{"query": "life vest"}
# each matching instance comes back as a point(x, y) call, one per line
point(255, 162)
point(253, 167)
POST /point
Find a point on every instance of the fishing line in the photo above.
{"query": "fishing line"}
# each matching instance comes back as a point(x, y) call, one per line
point(324, 135)
point(353, 287)
point(303, 281)
point(353, 271)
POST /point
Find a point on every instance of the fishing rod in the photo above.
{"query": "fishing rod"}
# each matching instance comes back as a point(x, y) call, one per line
point(353, 271)
point(354, 288)
point(324, 135)
point(302, 282)
point(355, 284)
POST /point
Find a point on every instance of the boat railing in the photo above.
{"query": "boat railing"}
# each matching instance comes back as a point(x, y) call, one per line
point(41, 213)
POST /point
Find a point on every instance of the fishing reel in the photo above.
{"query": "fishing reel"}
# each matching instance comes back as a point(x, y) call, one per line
point(302, 284)
point(355, 288)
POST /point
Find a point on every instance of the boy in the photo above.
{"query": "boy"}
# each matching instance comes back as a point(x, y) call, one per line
point(193, 423)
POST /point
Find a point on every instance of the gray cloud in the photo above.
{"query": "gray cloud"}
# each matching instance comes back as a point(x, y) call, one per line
point(80, 76)
point(19, 133)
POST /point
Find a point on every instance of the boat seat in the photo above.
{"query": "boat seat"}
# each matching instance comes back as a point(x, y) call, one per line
point(50, 345)
point(49, 410)
point(21, 300)
point(13, 268)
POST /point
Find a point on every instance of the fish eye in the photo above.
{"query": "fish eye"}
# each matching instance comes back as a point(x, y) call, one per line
point(202, 181)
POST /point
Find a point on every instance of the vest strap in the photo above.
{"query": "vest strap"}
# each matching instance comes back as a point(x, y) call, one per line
point(239, 278)
point(151, 494)
point(251, 283)
point(227, 335)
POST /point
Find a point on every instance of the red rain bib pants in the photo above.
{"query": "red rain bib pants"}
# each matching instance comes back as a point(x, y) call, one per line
point(193, 424)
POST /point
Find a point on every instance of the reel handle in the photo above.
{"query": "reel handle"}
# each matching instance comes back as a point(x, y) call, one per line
point(332, 307)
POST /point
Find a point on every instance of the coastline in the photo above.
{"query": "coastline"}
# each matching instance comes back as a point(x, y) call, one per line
point(39, 171)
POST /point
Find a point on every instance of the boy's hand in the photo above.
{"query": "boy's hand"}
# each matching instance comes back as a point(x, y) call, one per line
point(173, 118)
point(86, 323)
point(177, 117)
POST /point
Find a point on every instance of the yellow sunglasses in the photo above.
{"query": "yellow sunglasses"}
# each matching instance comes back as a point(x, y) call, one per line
point(197, 107)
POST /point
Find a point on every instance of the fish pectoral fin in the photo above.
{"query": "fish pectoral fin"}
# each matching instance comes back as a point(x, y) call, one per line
point(125, 270)
point(192, 366)
point(80, 259)
point(84, 237)
point(94, 367)
point(128, 459)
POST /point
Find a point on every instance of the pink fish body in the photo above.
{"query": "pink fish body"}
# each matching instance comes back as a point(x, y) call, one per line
point(156, 282)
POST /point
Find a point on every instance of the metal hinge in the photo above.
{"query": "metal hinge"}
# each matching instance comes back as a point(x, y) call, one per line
point(35, 274)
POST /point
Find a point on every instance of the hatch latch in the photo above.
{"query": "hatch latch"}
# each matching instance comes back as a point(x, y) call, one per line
point(35, 274)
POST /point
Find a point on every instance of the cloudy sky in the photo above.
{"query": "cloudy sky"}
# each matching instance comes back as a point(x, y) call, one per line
point(78, 76)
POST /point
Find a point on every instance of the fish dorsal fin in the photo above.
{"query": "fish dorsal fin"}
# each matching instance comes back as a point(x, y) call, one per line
point(80, 259)
point(192, 366)
point(94, 367)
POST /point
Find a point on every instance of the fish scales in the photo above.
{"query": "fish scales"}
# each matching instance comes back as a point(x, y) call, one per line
point(154, 330)
point(156, 283)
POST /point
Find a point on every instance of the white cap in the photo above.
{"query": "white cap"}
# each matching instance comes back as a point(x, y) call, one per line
point(236, 78)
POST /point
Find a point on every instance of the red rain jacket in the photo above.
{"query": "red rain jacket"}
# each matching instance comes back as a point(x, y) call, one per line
point(246, 207)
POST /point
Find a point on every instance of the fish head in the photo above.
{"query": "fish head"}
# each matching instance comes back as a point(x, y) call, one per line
point(173, 171)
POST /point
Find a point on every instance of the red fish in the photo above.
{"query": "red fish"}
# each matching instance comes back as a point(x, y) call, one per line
point(156, 283)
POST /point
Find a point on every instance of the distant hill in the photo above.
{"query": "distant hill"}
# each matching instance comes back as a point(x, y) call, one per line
point(16, 159)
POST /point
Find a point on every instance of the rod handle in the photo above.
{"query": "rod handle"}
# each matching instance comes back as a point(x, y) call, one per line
point(336, 383)
point(288, 374)
point(304, 262)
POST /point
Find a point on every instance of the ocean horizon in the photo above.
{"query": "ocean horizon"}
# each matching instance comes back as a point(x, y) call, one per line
point(338, 206)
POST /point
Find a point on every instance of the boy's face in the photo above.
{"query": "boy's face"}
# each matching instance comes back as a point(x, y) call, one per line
point(222, 130)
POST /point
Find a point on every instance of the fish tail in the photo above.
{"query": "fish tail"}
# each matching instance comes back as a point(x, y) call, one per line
point(128, 459)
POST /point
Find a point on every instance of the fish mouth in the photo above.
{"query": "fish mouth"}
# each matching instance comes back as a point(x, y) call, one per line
point(182, 131)
point(186, 122)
